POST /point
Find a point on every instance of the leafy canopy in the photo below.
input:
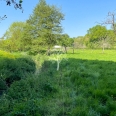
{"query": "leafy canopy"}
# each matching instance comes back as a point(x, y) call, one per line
point(45, 23)
point(97, 32)
point(12, 38)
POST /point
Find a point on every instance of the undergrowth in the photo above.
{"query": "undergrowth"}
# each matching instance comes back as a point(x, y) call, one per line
point(81, 87)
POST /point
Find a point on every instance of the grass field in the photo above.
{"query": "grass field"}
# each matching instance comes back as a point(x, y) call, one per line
point(107, 55)
point(92, 78)
point(84, 85)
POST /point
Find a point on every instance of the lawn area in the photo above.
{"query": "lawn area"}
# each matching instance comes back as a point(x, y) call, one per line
point(107, 55)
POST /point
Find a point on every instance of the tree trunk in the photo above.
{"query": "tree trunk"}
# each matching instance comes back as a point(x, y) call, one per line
point(48, 51)
point(103, 49)
point(65, 49)
point(103, 45)
point(73, 49)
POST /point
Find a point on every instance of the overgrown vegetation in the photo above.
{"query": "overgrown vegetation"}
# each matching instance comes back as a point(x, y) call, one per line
point(81, 87)
point(36, 81)
point(14, 68)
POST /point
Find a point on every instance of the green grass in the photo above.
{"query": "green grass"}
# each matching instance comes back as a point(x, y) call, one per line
point(85, 85)
point(108, 55)
point(92, 76)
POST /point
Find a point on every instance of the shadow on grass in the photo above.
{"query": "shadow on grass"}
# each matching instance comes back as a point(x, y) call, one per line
point(13, 70)
point(79, 88)
point(93, 81)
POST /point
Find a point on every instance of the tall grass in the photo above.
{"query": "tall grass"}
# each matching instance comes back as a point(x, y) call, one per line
point(84, 85)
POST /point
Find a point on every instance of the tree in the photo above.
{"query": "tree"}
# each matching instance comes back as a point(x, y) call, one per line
point(111, 38)
point(110, 21)
point(72, 43)
point(45, 24)
point(80, 42)
point(97, 33)
point(65, 41)
point(14, 36)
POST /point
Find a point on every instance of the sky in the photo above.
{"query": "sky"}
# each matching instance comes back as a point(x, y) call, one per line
point(79, 15)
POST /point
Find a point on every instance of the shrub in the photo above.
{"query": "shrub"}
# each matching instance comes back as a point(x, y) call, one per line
point(4, 54)
point(14, 69)
point(2, 85)
point(80, 111)
point(36, 51)
point(28, 97)
point(4, 106)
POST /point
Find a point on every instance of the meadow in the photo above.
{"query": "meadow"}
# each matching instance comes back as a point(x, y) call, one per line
point(84, 85)
point(107, 55)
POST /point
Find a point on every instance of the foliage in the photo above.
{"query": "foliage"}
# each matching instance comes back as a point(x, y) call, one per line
point(83, 86)
point(37, 48)
point(65, 41)
point(80, 42)
point(99, 37)
point(44, 24)
point(4, 54)
point(2, 85)
point(97, 32)
point(12, 39)
point(14, 68)
point(29, 96)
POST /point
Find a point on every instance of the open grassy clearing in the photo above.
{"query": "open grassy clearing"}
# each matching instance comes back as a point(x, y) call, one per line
point(107, 55)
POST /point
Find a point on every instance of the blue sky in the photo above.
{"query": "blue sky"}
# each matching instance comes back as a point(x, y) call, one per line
point(80, 15)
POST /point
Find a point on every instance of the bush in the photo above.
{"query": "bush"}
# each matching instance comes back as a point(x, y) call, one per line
point(28, 97)
point(14, 69)
point(36, 51)
point(4, 54)
point(3, 86)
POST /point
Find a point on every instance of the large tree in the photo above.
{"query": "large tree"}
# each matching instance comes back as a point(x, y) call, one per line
point(14, 36)
point(97, 34)
point(101, 37)
point(65, 41)
point(110, 20)
point(45, 24)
